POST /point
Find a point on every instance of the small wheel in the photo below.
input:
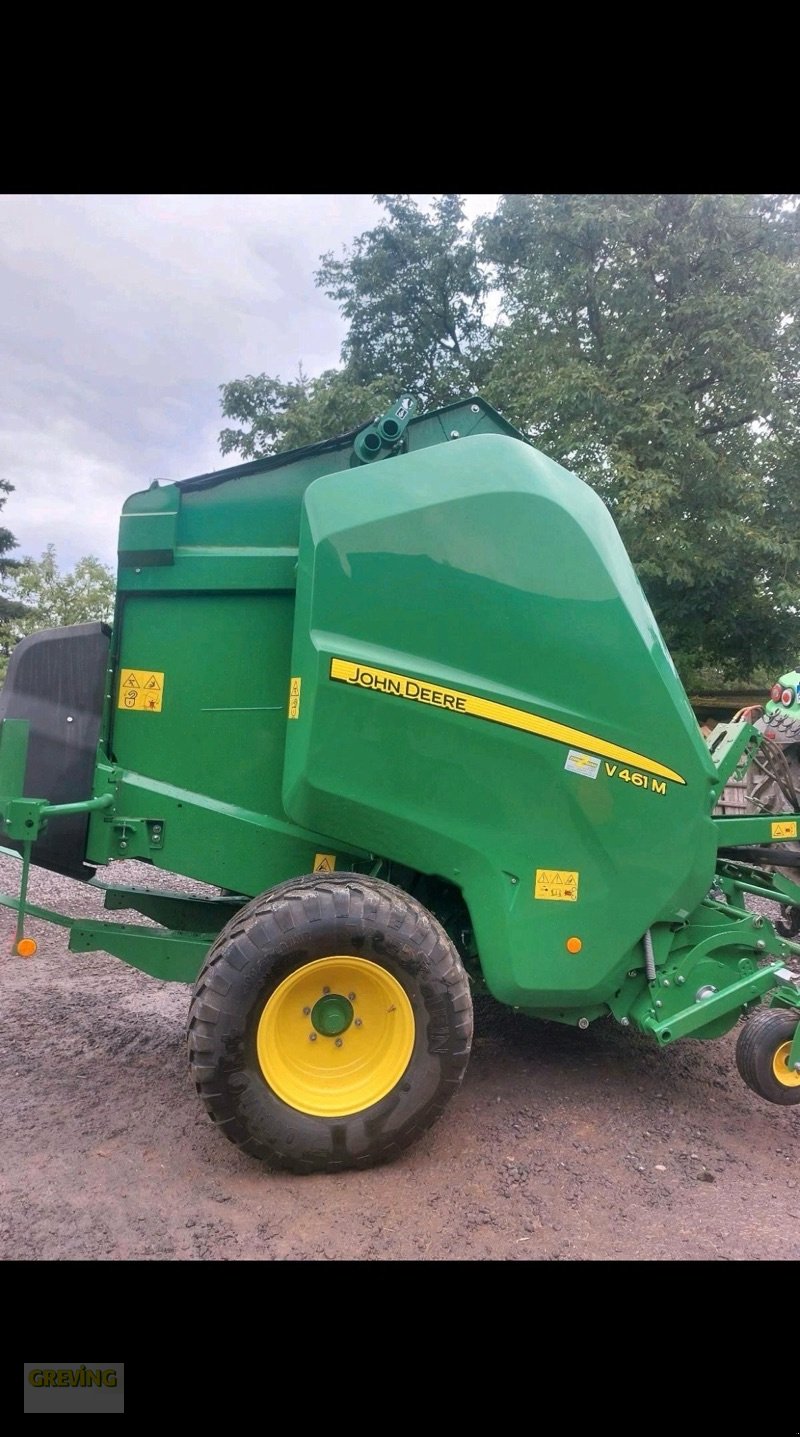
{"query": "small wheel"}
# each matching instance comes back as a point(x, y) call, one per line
point(762, 1055)
point(330, 1023)
point(789, 922)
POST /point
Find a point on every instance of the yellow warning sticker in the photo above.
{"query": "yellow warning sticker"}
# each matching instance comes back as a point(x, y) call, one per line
point(294, 698)
point(559, 884)
point(784, 830)
point(141, 689)
point(324, 863)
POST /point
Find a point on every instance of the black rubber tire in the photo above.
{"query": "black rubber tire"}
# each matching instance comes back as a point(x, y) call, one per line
point(764, 1032)
point(316, 916)
point(788, 925)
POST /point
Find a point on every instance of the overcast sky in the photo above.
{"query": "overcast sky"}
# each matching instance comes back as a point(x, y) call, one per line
point(120, 315)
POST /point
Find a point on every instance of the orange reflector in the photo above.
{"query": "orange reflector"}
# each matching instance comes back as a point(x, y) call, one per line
point(27, 947)
point(574, 945)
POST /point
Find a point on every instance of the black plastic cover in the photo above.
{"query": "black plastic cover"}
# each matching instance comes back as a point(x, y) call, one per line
point(56, 680)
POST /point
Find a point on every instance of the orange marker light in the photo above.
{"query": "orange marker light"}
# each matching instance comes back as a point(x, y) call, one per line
point(574, 945)
point(27, 947)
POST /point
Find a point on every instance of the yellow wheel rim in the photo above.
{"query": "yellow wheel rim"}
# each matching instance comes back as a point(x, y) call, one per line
point(336, 1036)
point(780, 1067)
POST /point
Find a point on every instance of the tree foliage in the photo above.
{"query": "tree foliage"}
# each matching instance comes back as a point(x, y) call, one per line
point(650, 346)
point(52, 598)
point(10, 610)
point(648, 342)
point(412, 291)
point(288, 415)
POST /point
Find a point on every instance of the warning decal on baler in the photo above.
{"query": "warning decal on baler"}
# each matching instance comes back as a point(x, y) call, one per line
point(424, 692)
point(141, 689)
point(559, 884)
point(294, 697)
point(784, 830)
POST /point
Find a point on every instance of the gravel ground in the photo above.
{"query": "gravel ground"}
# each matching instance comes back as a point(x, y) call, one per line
point(560, 1144)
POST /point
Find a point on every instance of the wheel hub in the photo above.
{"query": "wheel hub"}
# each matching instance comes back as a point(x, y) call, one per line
point(332, 1015)
point(780, 1067)
point(360, 1044)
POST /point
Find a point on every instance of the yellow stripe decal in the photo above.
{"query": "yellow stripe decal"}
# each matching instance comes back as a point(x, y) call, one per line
point(401, 686)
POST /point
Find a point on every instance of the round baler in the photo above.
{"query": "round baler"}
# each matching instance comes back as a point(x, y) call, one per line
point(400, 699)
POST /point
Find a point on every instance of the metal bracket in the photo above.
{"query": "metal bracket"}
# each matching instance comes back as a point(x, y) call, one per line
point(173, 910)
point(794, 1052)
point(177, 957)
point(733, 747)
point(701, 1012)
point(136, 837)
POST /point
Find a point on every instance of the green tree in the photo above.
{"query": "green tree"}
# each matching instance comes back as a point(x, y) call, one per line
point(648, 342)
point(281, 416)
point(53, 598)
point(651, 346)
point(412, 290)
point(11, 611)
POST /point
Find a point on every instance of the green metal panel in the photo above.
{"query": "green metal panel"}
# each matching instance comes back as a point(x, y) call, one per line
point(148, 534)
point(482, 569)
point(198, 780)
point(14, 735)
point(221, 727)
point(773, 828)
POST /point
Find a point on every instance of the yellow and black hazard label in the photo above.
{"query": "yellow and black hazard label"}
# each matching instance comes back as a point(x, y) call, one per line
point(141, 689)
point(455, 701)
point(558, 884)
point(324, 863)
point(294, 697)
point(785, 829)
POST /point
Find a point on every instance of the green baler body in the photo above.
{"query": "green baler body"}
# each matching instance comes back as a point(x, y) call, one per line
point(474, 568)
point(412, 672)
point(436, 666)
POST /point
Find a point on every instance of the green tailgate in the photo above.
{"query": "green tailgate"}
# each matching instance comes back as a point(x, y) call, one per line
point(486, 697)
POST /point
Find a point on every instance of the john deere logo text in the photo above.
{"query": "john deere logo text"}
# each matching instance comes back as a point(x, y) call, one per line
point(405, 688)
point(73, 1377)
point(419, 691)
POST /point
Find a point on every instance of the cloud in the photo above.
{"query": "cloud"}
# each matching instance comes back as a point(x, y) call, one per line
point(120, 315)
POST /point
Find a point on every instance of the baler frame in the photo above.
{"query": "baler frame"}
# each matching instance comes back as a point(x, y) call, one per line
point(188, 926)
